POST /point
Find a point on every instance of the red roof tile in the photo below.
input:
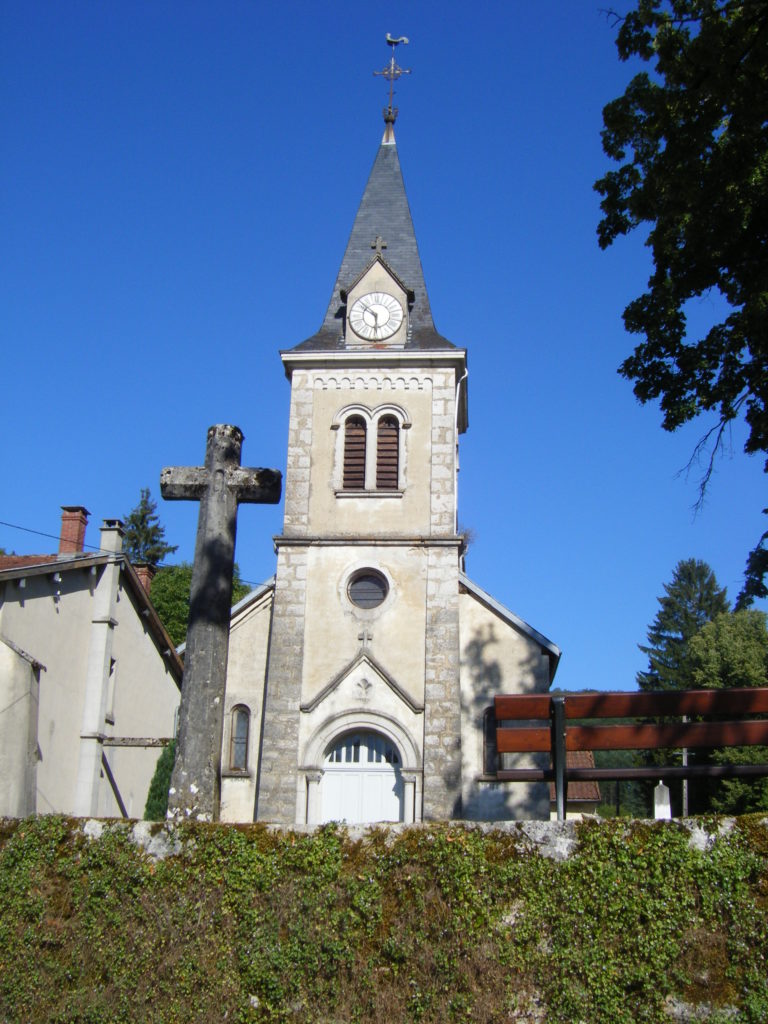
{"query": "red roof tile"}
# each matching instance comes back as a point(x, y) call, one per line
point(580, 791)
point(22, 561)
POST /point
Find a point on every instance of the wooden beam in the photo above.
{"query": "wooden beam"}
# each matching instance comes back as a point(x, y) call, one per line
point(640, 704)
point(676, 734)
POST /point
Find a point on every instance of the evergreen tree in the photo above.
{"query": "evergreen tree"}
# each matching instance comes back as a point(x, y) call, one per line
point(144, 536)
point(692, 599)
point(170, 596)
point(157, 797)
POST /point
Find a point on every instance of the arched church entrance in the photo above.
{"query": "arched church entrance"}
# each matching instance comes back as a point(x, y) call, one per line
point(362, 780)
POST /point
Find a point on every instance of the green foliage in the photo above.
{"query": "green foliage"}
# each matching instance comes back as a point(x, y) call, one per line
point(732, 651)
point(427, 924)
point(144, 536)
point(170, 596)
point(691, 599)
point(157, 797)
point(691, 139)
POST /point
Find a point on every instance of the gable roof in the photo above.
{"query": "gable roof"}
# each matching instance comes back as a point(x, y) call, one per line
point(383, 212)
point(549, 648)
point(14, 567)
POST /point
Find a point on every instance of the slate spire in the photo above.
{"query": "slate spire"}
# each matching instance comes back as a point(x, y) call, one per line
point(382, 225)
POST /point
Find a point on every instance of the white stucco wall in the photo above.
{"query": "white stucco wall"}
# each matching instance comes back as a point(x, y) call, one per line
point(54, 622)
point(19, 688)
point(496, 658)
point(246, 669)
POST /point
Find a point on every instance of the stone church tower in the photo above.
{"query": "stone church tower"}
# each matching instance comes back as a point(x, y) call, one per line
point(360, 679)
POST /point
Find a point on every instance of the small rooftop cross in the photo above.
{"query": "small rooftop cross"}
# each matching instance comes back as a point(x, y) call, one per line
point(392, 72)
point(365, 638)
point(378, 244)
point(220, 485)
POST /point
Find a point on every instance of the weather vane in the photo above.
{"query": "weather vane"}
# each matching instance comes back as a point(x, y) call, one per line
point(392, 72)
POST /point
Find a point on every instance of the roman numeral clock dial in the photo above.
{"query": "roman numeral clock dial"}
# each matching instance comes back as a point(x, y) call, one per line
point(376, 316)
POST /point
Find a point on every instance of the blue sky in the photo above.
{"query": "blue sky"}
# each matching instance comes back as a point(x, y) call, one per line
point(178, 181)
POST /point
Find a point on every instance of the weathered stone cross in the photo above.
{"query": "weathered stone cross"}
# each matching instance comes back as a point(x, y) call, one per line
point(378, 244)
point(219, 486)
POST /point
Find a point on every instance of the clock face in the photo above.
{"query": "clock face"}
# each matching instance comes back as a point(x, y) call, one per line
point(376, 316)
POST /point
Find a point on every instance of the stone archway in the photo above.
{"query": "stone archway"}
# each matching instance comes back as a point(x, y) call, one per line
point(377, 734)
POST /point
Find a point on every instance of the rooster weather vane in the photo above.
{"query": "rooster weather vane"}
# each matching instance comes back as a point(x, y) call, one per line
point(392, 72)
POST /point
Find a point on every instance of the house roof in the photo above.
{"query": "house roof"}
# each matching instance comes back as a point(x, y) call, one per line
point(13, 567)
point(587, 791)
point(383, 214)
point(549, 648)
point(20, 561)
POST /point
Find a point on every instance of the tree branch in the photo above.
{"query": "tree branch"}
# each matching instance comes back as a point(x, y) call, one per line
point(703, 446)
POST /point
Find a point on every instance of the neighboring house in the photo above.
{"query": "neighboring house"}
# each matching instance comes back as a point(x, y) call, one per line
point(89, 679)
point(361, 678)
point(582, 797)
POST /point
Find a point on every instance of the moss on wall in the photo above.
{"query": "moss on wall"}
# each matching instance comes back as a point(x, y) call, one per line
point(103, 922)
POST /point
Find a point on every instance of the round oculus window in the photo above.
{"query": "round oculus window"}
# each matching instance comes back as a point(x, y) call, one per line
point(367, 589)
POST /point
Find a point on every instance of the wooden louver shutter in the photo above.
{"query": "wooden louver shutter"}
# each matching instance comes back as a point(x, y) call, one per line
point(387, 454)
point(354, 454)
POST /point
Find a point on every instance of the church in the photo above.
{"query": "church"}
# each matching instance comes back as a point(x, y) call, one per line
point(361, 678)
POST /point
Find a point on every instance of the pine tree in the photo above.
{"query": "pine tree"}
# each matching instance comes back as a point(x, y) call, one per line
point(692, 599)
point(144, 536)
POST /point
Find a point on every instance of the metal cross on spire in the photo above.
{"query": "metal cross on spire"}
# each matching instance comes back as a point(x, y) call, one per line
point(392, 72)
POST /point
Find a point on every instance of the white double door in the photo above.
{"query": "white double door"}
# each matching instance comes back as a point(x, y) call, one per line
point(362, 781)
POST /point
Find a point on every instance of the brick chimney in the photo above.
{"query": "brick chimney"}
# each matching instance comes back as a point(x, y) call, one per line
point(74, 519)
point(146, 574)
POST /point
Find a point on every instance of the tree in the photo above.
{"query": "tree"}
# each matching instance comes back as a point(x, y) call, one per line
point(144, 536)
point(692, 143)
point(157, 797)
point(731, 651)
point(170, 596)
point(691, 599)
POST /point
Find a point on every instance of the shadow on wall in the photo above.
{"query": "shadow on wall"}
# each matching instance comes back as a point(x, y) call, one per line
point(498, 801)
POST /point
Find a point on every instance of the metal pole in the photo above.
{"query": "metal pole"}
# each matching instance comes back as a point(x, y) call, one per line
point(557, 714)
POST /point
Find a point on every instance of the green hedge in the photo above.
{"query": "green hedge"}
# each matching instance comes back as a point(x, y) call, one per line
point(426, 924)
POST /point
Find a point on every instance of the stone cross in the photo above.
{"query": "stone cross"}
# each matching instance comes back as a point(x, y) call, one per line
point(219, 486)
point(378, 244)
point(365, 638)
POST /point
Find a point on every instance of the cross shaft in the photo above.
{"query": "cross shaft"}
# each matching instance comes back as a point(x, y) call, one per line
point(220, 485)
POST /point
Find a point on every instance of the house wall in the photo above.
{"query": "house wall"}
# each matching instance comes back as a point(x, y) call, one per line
point(496, 658)
point(51, 622)
point(61, 625)
point(144, 698)
point(19, 694)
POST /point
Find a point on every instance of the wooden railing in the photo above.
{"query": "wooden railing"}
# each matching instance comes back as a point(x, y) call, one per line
point(520, 728)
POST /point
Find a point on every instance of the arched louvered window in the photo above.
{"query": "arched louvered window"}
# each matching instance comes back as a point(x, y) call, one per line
point(238, 743)
point(354, 454)
point(387, 454)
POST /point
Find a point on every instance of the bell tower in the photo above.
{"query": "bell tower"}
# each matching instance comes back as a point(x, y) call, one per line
point(363, 667)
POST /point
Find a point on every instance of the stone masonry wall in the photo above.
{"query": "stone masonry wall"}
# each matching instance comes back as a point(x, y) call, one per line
point(278, 771)
point(442, 710)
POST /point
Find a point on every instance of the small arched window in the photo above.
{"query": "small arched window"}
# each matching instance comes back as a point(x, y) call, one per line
point(238, 744)
point(354, 454)
point(387, 454)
